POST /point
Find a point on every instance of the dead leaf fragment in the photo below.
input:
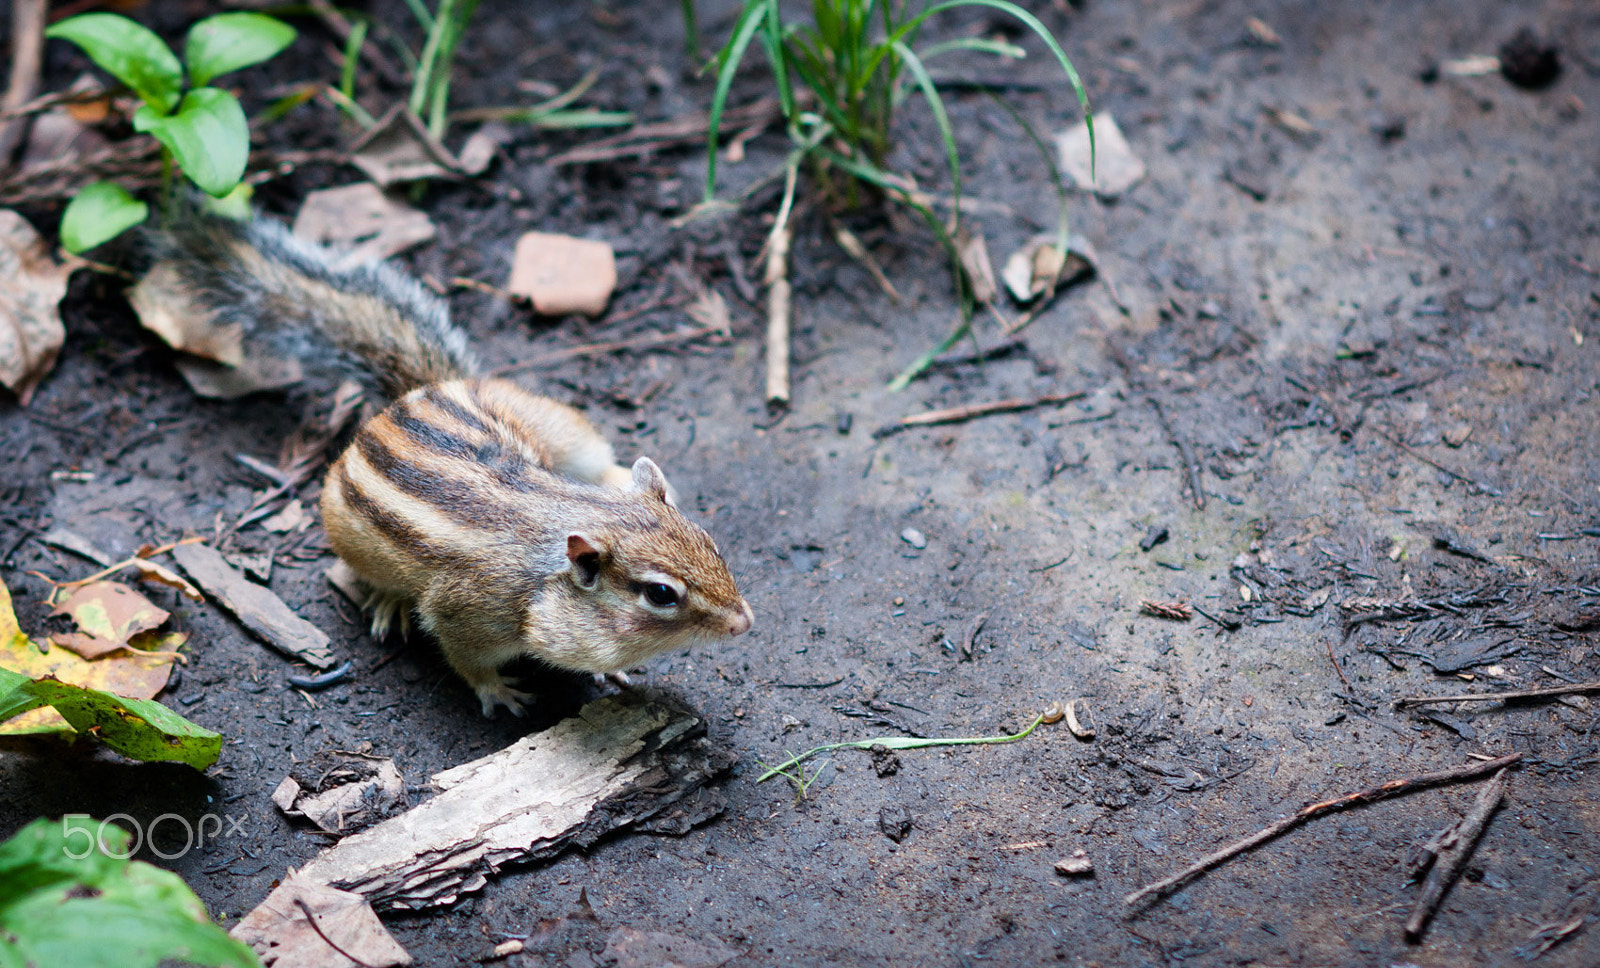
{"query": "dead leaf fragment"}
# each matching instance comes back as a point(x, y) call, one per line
point(1115, 167)
point(293, 517)
point(371, 225)
point(481, 146)
point(561, 274)
point(710, 310)
point(1257, 31)
point(352, 790)
point(1473, 65)
point(279, 931)
point(31, 286)
point(976, 264)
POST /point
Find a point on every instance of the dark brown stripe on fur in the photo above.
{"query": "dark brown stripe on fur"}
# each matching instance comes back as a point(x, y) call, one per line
point(450, 495)
point(454, 410)
point(429, 435)
point(397, 531)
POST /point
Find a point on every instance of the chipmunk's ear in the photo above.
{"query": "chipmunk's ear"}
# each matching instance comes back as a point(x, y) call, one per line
point(584, 554)
point(648, 479)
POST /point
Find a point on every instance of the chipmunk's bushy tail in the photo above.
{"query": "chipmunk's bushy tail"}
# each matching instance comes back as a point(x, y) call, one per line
point(299, 300)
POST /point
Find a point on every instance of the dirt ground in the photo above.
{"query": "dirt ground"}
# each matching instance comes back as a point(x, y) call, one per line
point(1377, 341)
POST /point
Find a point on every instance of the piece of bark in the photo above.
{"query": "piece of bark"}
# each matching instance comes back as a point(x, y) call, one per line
point(623, 762)
point(561, 274)
point(257, 608)
point(280, 929)
point(341, 791)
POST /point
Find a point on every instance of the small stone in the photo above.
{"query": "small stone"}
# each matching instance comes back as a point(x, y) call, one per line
point(562, 275)
point(895, 822)
point(1528, 61)
point(1075, 866)
point(1457, 435)
point(914, 538)
point(1481, 300)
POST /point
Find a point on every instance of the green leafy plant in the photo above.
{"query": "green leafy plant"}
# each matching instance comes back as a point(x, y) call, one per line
point(70, 896)
point(840, 80)
point(202, 129)
point(791, 767)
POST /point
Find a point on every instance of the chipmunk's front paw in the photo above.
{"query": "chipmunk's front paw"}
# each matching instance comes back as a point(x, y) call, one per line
point(619, 679)
point(501, 694)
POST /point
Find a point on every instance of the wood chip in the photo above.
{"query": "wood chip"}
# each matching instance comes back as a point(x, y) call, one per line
point(257, 608)
point(624, 762)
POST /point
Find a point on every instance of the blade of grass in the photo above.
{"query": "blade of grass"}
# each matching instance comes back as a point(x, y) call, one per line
point(981, 45)
point(897, 743)
point(750, 20)
point(352, 52)
point(422, 83)
point(940, 118)
point(420, 11)
point(556, 103)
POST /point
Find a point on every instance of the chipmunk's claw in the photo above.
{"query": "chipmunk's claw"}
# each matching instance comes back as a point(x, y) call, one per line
point(501, 694)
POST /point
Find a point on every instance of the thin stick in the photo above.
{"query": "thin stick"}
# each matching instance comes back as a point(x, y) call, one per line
point(779, 293)
point(1313, 810)
point(598, 349)
point(27, 50)
point(856, 250)
point(973, 411)
point(1455, 475)
point(1455, 847)
point(1499, 696)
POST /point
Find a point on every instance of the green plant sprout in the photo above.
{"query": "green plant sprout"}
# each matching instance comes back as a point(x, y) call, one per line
point(202, 129)
point(790, 766)
point(858, 60)
point(792, 770)
point(431, 70)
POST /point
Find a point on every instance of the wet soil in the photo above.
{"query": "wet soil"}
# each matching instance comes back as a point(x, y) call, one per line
point(1377, 342)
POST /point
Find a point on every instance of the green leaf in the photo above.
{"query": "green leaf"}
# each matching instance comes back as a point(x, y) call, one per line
point(897, 743)
point(99, 213)
point(750, 20)
point(229, 41)
point(68, 898)
point(208, 135)
point(129, 52)
point(141, 729)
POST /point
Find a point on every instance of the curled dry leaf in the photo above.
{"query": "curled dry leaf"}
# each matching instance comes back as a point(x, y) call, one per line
point(361, 218)
point(399, 149)
point(1039, 268)
point(31, 286)
point(281, 926)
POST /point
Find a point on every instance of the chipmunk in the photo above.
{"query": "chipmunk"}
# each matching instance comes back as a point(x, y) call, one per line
point(498, 518)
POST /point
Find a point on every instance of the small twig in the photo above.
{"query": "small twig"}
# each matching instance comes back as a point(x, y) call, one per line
point(464, 282)
point(1499, 696)
point(779, 293)
point(1453, 850)
point(973, 411)
point(1453, 475)
point(613, 346)
point(972, 637)
point(1311, 811)
point(1331, 658)
point(312, 920)
point(856, 250)
point(27, 51)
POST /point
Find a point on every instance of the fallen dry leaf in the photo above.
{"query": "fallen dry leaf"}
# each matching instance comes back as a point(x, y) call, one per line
point(481, 145)
point(399, 149)
point(129, 675)
point(108, 615)
point(31, 286)
point(561, 274)
point(709, 309)
point(1115, 168)
point(293, 517)
point(371, 225)
point(278, 928)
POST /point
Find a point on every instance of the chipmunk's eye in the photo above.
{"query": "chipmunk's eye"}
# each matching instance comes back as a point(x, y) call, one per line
point(661, 596)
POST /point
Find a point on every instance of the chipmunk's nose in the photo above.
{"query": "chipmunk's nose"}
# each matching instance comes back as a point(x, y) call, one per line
point(741, 623)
